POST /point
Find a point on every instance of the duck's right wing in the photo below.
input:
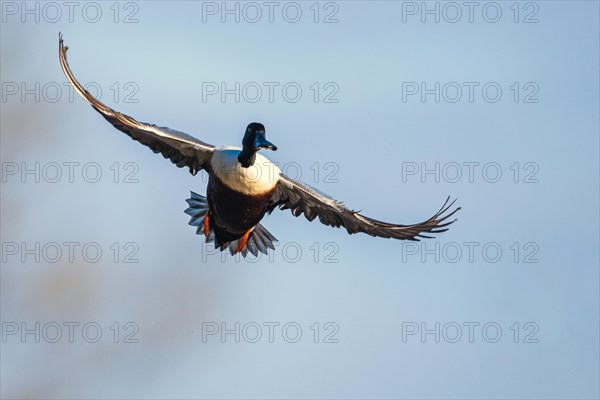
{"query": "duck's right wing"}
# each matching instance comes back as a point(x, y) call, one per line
point(303, 199)
point(182, 149)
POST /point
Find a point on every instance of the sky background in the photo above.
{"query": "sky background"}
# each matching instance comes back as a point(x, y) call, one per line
point(507, 299)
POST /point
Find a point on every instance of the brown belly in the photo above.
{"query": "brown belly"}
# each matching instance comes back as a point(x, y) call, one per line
point(232, 212)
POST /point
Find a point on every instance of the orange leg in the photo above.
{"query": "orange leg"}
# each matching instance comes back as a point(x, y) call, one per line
point(206, 225)
point(243, 241)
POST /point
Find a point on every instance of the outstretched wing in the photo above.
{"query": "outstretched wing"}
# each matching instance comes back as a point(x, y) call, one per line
point(302, 199)
point(182, 149)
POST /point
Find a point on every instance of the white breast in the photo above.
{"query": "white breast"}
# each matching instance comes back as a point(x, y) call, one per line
point(257, 179)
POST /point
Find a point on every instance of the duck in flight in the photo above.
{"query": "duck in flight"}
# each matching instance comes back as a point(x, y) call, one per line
point(244, 185)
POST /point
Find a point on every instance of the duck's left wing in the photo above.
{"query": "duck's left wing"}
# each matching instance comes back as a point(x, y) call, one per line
point(182, 149)
point(303, 199)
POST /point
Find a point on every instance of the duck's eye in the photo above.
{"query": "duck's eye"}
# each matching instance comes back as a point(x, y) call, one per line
point(249, 130)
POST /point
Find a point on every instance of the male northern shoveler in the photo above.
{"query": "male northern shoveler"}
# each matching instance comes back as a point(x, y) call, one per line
point(243, 185)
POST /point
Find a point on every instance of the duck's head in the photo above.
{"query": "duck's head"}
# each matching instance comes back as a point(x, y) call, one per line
point(254, 139)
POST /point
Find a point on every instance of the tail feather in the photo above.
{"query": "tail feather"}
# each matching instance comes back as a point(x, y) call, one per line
point(260, 240)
